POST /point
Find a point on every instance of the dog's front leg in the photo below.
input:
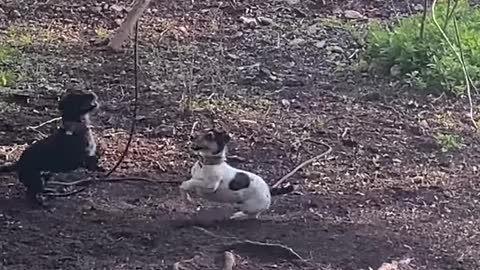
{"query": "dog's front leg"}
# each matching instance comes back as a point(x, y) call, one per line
point(187, 186)
point(92, 164)
point(192, 184)
point(209, 185)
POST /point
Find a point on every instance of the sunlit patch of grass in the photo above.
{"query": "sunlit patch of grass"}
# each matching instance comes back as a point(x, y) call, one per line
point(448, 142)
point(216, 103)
point(19, 37)
point(22, 36)
point(446, 120)
point(102, 32)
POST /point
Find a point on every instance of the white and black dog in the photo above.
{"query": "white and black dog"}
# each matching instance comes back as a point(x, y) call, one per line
point(215, 180)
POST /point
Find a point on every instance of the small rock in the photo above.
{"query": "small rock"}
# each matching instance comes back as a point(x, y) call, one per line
point(293, 2)
point(395, 70)
point(118, 21)
point(418, 7)
point(297, 41)
point(312, 29)
point(285, 103)
point(249, 21)
point(423, 123)
point(353, 14)
point(117, 8)
point(96, 9)
point(321, 44)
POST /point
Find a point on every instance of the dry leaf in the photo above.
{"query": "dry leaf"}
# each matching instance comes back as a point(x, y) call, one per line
point(353, 14)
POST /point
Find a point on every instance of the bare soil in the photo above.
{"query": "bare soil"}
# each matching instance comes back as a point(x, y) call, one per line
point(386, 192)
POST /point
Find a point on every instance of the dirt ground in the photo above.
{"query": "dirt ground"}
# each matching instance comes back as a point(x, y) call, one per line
point(386, 192)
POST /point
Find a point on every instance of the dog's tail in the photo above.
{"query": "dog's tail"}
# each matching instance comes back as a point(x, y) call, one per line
point(10, 167)
point(281, 190)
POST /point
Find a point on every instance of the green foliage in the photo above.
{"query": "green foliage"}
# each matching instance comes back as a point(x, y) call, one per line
point(448, 142)
point(428, 62)
point(7, 60)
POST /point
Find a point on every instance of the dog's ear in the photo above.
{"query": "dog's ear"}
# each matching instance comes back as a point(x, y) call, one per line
point(223, 136)
point(226, 137)
point(61, 104)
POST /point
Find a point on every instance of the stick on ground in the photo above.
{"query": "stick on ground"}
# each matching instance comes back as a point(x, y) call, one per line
point(117, 179)
point(44, 123)
point(305, 163)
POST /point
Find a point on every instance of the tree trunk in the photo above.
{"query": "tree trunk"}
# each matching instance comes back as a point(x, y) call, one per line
point(127, 25)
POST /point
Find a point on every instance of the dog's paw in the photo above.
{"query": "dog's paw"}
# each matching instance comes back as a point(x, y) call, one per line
point(92, 164)
point(185, 186)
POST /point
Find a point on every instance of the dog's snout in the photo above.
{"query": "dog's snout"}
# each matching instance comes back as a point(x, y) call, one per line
point(195, 147)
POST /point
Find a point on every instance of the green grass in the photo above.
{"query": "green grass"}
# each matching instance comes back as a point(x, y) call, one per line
point(448, 142)
point(8, 58)
point(428, 62)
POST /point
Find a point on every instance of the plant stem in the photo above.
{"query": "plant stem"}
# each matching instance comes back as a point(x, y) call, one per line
point(449, 13)
point(465, 71)
point(424, 18)
point(459, 57)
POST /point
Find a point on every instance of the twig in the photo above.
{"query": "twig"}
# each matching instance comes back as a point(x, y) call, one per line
point(178, 265)
point(305, 163)
point(106, 180)
point(192, 131)
point(65, 194)
point(205, 231)
point(44, 123)
point(288, 252)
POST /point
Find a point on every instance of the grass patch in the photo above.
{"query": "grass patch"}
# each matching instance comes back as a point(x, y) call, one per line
point(216, 103)
point(8, 60)
point(427, 61)
point(448, 142)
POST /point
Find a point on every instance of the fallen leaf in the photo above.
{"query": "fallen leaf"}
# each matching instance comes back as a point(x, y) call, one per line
point(265, 21)
point(321, 44)
point(293, 2)
point(297, 41)
point(249, 21)
point(233, 56)
point(353, 14)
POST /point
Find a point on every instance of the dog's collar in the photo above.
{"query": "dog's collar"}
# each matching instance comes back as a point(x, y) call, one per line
point(213, 160)
point(71, 127)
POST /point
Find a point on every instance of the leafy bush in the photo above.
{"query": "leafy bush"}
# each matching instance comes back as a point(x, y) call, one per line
point(428, 62)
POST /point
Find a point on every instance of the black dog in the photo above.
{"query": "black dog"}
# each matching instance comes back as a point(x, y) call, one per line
point(70, 148)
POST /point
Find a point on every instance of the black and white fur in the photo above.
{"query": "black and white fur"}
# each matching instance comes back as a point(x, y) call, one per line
point(69, 148)
point(214, 179)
